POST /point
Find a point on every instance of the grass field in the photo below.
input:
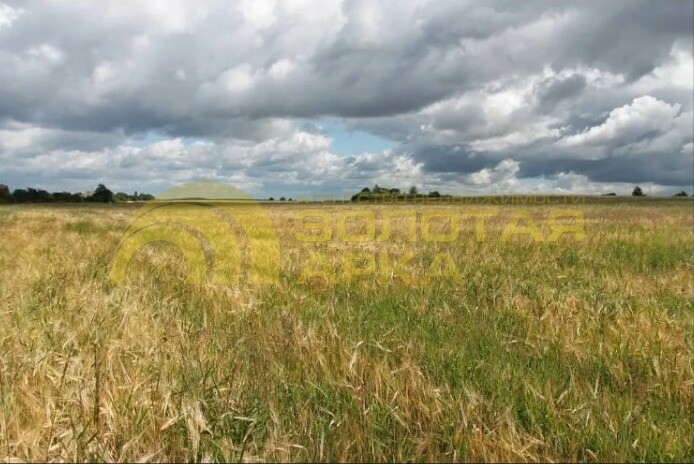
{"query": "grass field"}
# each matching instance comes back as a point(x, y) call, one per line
point(566, 350)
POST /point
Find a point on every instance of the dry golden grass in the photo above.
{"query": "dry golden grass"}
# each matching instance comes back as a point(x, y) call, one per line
point(540, 351)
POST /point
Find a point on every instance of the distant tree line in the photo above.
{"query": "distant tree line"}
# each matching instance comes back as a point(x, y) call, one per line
point(638, 192)
point(122, 197)
point(378, 193)
point(100, 195)
point(382, 193)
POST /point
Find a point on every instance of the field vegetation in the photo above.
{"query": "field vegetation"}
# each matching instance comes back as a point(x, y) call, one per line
point(566, 350)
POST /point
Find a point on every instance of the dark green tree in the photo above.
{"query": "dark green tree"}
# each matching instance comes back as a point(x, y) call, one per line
point(5, 195)
point(20, 195)
point(66, 197)
point(102, 195)
point(121, 197)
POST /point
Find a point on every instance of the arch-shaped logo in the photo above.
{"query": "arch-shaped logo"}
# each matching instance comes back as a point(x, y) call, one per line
point(199, 218)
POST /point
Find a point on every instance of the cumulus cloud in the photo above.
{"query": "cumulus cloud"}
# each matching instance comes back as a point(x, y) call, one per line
point(505, 171)
point(519, 94)
point(643, 117)
point(7, 15)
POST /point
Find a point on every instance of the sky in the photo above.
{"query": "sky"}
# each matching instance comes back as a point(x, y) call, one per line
point(302, 97)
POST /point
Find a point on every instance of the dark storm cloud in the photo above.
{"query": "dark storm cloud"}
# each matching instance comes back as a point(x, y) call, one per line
point(412, 58)
point(454, 159)
point(669, 171)
point(631, 38)
point(559, 90)
point(459, 86)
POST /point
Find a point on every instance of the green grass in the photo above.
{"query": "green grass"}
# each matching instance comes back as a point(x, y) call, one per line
point(83, 227)
point(540, 351)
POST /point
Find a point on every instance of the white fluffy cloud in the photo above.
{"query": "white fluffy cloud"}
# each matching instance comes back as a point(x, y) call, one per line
point(643, 116)
point(7, 15)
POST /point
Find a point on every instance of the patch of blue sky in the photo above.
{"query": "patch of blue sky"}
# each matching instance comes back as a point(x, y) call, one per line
point(152, 137)
point(349, 142)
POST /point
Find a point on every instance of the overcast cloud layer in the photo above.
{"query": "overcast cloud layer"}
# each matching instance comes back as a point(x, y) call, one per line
point(471, 97)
